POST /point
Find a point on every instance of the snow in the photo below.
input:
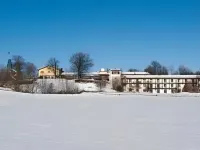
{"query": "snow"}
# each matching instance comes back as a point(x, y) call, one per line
point(148, 76)
point(59, 84)
point(98, 122)
point(5, 89)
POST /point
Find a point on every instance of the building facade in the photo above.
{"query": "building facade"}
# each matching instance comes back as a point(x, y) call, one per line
point(144, 82)
point(48, 72)
point(159, 83)
point(133, 81)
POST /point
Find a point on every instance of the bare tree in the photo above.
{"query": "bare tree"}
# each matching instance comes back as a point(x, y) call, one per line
point(18, 65)
point(183, 70)
point(155, 68)
point(133, 70)
point(197, 73)
point(81, 63)
point(54, 64)
point(30, 70)
point(3, 76)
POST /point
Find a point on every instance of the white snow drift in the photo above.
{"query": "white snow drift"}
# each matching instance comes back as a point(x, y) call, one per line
point(98, 122)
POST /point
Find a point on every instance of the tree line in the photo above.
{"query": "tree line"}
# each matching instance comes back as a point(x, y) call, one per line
point(80, 63)
point(155, 68)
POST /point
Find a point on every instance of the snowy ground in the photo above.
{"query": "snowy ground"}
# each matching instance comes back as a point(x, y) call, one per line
point(98, 122)
point(60, 84)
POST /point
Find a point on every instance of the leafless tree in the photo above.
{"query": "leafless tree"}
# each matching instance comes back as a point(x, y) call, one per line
point(3, 76)
point(18, 64)
point(54, 63)
point(155, 68)
point(183, 70)
point(133, 70)
point(81, 63)
point(30, 70)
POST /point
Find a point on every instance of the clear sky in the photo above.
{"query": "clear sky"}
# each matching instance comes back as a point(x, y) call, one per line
point(117, 34)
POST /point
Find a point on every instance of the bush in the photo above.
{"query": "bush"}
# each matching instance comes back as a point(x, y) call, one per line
point(195, 89)
point(115, 83)
point(62, 88)
point(101, 85)
point(4, 77)
point(119, 88)
point(50, 89)
point(25, 88)
point(71, 88)
point(188, 87)
point(46, 88)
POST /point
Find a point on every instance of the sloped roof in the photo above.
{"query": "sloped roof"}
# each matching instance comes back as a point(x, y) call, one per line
point(46, 67)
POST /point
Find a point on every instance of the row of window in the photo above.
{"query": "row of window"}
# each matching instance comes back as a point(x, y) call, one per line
point(42, 72)
point(165, 80)
point(115, 72)
point(158, 85)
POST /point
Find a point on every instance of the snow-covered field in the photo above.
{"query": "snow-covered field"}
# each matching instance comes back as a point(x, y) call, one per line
point(98, 122)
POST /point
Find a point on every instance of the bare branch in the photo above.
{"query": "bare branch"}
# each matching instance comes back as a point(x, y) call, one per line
point(81, 63)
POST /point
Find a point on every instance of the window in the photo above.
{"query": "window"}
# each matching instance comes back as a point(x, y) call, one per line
point(171, 80)
point(42, 71)
point(115, 72)
point(49, 71)
point(171, 85)
point(164, 80)
point(164, 85)
point(165, 91)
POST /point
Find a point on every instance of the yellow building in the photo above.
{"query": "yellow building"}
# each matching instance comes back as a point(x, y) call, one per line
point(47, 72)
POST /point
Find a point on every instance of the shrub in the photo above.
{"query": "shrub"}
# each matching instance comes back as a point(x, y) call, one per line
point(101, 85)
point(119, 88)
point(25, 88)
point(188, 87)
point(50, 89)
point(116, 82)
point(46, 88)
point(71, 88)
point(4, 77)
point(195, 89)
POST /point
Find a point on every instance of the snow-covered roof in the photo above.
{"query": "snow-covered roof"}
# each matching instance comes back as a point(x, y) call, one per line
point(163, 76)
point(88, 74)
point(135, 73)
point(115, 69)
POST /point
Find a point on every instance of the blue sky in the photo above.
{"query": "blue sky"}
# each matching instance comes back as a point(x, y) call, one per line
point(117, 34)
